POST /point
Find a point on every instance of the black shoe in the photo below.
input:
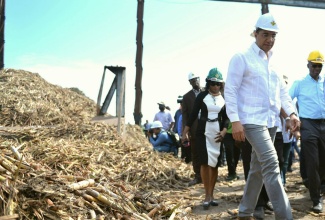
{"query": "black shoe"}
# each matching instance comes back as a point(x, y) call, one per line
point(318, 208)
point(232, 177)
point(259, 212)
point(214, 203)
point(206, 205)
point(269, 206)
point(194, 182)
point(289, 169)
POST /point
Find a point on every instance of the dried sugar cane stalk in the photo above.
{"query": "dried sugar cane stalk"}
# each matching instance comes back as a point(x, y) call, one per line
point(93, 206)
point(139, 217)
point(152, 200)
point(20, 146)
point(162, 173)
point(144, 215)
point(89, 198)
point(104, 200)
point(92, 214)
point(8, 217)
point(8, 165)
point(172, 216)
point(71, 177)
point(18, 163)
point(155, 210)
point(131, 205)
point(82, 184)
point(100, 156)
point(2, 178)
point(98, 208)
point(109, 192)
point(313, 214)
point(101, 217)
point(16, 153)
point(2, 169)
point(140, 204)
point(121, 186)
point(99, 197)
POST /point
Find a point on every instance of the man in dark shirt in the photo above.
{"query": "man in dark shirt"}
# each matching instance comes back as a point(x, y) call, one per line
point(187, 106)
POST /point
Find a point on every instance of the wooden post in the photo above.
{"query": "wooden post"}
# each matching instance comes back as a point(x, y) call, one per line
point(138, 63)
point(2, 33)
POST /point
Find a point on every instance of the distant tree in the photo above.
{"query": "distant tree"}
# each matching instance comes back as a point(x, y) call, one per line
point(77, 91)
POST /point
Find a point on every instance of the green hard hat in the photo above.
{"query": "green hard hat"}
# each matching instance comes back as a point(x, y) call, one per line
point(215, 75)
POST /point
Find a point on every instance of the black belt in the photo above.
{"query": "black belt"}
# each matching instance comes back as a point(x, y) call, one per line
point(208, 119)
point(321, 120)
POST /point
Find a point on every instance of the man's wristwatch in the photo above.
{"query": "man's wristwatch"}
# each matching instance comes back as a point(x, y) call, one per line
point(293, 113)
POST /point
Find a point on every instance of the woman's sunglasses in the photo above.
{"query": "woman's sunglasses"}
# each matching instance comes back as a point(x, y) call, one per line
point(215, 83)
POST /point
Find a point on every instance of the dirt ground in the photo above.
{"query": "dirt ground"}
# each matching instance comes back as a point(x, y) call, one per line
point(229, 194)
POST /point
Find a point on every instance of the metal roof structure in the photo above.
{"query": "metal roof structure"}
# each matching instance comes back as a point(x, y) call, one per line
point(296, 3)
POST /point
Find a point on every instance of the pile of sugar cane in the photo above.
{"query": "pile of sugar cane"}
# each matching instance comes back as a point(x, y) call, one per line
point(77, 169)
point(26, 99)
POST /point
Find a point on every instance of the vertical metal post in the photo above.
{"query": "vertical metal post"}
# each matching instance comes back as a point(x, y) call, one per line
point(120, 98)
point(2, 32)
point(100, 91)
point(138, 63)
point(265, 8)
point(120, 95)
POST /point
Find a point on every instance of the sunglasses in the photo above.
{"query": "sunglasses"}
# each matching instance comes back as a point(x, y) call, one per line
point(215, 83)
point(317, 65)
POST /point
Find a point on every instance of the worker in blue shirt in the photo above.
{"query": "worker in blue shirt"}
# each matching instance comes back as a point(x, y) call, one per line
point(160, 140)
point(310, 94)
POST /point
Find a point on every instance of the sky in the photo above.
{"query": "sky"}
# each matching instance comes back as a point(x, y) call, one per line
point(68, 43)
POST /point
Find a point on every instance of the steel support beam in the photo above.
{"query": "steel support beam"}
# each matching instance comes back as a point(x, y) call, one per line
point(295, 3)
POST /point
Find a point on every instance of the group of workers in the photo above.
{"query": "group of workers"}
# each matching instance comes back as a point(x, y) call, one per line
point(254, 105)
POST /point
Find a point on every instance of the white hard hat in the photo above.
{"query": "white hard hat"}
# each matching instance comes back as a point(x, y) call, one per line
point(192, 76)
point(267, 22)
point(156, 124)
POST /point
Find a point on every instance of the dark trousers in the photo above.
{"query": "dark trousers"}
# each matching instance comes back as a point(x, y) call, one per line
point(246, 157)
point(313, 151)
point(278, 144)
point(282, 150)
point(303, 172)
point(232, 153)
point(186, 153)
point(195, 159)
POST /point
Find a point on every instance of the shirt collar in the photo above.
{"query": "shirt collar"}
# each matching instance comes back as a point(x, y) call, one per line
point(320, 77)
point(196, 91)
point(260, 52)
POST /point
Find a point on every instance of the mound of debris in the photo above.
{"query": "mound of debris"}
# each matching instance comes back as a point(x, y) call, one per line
point(26, 99)
point(77, 169)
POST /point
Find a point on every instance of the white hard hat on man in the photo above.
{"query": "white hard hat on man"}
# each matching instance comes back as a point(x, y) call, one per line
point(267, 22)
point(192, 76)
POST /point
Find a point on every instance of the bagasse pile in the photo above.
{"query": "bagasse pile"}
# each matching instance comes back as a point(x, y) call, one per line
point(56, 164)
point(27, 99)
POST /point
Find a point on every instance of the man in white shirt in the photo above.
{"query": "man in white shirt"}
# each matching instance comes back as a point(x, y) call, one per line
point(254, 95)
point(164, 117)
